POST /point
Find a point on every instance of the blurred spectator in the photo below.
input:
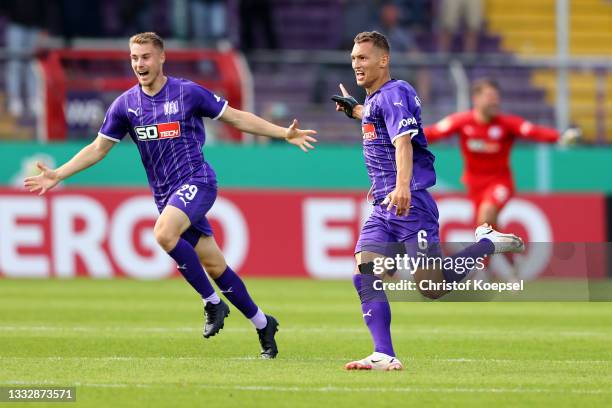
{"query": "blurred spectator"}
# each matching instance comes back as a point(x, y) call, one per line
point(256, 22)
point(451, 14)
point(358, 16)
point(417, 14)
point(179, 12)
point(403, 42)
point(136, 16)
point(400, 38)
point(81, 19)
point(25, 29)
point(124, 18)
point(208, 21)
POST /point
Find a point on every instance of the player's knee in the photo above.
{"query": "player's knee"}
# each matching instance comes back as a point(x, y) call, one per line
point(214, 266)
point(165, 237)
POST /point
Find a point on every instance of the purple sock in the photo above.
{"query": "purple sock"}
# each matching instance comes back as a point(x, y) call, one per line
point(234, 290)
point(477, 250)
point(376, 312)
point(190, 267)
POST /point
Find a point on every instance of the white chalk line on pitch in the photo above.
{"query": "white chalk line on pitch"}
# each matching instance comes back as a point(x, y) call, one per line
point(458, 331)
point(326, 389)
point(302, 360)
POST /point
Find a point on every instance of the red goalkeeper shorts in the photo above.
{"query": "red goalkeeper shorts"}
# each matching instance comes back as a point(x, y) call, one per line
point(496, 191)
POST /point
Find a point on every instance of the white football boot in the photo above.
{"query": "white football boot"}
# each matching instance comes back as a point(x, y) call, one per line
point(376, 361)
point(502, 242)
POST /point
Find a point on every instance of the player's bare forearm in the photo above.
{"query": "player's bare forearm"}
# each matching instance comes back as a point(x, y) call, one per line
point(400, 196)
point(403, 160)
point(250, 123)
point(49, 178)
point(87, 157)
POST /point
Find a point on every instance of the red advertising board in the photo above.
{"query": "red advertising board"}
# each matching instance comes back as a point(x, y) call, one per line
point(105, 233)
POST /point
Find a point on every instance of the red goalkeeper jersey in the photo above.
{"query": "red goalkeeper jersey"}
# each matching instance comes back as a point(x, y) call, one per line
point(486, 146)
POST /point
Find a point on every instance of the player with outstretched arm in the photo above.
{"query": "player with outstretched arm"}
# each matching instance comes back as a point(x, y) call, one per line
point(401, 169)
point(162, 115)
point(486, 136)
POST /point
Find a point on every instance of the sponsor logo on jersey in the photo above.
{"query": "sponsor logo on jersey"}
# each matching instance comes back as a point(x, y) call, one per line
point(482, 146)
point(171, 107)
point(369, 131)
point(407, 122)
point(158, 131)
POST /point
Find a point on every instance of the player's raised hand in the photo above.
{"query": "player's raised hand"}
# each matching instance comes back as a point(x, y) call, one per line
point(570, 137)
point(300, 137)
point(400, 199)
point(45, 181)
point(347, 104)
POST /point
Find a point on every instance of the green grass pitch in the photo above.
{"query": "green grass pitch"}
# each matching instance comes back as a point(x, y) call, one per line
point(139, 343)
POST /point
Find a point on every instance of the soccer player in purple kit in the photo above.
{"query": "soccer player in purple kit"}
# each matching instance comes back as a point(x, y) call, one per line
point(162, 115)
point(401, 169)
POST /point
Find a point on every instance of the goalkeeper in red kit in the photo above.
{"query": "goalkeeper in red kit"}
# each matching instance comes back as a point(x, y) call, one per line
point(486, 136)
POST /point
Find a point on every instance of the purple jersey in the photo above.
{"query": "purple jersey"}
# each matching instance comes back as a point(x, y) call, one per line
point(391, 112)
point(169, 132)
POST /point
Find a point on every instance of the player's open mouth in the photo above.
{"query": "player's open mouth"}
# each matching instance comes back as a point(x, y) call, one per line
point(359, 75)
point(143, 74)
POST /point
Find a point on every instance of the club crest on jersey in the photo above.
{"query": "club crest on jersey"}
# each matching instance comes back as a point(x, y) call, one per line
point(171, 107)
point(369, 131)
point(495, 132)
point(158, 131)
point(366, 110)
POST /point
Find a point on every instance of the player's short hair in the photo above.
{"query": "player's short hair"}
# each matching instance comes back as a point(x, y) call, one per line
point(377, 39)
point(148, 37)
point(480, 84)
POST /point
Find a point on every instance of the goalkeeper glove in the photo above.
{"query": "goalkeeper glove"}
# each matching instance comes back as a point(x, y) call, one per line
point(570, 136)
point(347, 103)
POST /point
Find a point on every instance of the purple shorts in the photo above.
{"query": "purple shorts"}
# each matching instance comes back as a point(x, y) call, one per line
point(195, 199)
point(383, 230)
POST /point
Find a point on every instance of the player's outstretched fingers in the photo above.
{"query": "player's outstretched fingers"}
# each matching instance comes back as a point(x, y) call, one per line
point(31, 185)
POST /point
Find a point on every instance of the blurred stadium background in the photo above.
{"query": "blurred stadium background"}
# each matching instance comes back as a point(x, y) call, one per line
point(63, 62)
